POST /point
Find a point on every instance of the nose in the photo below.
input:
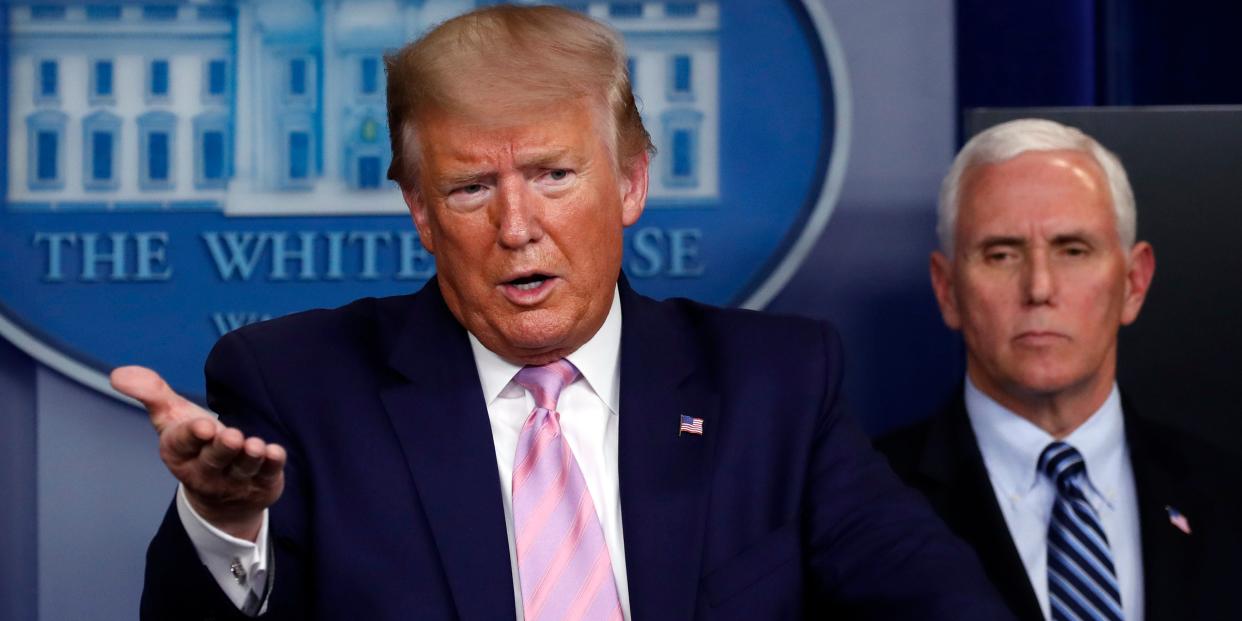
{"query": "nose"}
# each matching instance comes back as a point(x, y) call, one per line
point(519, 214)
point(1039, 281)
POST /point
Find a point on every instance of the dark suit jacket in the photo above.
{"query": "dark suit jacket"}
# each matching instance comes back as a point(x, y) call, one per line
point(392, 508)
point(1186, 577)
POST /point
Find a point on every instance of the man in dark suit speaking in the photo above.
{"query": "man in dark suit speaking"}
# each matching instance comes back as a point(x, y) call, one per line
point(527, 437)
point(1078, 507)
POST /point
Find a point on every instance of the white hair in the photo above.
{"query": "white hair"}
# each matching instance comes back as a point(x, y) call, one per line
point(1006, 141)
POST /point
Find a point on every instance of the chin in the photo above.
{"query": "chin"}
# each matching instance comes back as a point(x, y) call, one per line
point(1046, 383)
point(537, 334)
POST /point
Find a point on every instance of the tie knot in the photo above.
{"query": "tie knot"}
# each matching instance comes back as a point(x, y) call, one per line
point(1063, 464)
point(546, 382)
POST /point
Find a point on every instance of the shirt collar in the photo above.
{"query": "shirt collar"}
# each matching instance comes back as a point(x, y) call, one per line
point(598, 360)
point(1011, 445)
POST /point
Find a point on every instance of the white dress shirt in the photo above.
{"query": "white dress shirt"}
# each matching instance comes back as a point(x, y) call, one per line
point(1011, 446)
point(588, 408)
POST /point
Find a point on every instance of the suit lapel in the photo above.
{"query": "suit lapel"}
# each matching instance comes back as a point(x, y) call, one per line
point(1170, 557)
point(664, 475)
point(964, 497)
point(437, 409)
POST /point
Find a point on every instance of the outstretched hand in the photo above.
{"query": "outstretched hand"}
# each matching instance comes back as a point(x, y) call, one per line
point(229, 479)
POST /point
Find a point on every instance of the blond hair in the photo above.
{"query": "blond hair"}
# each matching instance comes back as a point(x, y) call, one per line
point(493, 64)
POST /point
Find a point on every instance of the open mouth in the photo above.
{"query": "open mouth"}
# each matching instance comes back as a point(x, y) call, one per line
point(529, 283)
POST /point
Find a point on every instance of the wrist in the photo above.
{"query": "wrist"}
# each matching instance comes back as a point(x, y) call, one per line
point(235, 522)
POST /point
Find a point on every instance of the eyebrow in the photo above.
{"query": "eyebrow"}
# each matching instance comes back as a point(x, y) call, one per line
point(1001, 240)
point(544, 159)
point(1072, 237)
point(1058, 240)
point(466, 178)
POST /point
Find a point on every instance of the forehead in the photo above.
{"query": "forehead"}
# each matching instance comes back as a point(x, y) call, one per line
point(1053, 191)
point(449, 139)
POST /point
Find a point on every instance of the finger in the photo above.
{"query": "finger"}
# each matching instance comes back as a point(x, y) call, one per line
point(186, 441)
point(273, 464)
point(249, 459)
point(223, 449)
point(152, 391)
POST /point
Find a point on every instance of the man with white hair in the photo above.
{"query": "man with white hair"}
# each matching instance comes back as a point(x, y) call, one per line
point(1078, 508)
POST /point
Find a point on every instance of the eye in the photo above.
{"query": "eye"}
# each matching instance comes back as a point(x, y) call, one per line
point(468, 196)
point(999, 255)
point(1076, 251)
point(557, 177)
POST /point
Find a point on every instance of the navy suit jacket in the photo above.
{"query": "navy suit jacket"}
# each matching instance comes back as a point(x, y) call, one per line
point(1185, 577)
point(392, 507)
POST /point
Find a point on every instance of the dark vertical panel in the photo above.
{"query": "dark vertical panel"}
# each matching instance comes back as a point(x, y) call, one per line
point(1184, 52)
point(1026, 53)
point(18, 549)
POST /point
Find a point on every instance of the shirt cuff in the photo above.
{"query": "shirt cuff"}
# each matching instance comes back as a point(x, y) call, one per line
point(240, 567)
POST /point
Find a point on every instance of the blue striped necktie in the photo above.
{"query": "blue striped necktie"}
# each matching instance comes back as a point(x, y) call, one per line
point(1082, 585)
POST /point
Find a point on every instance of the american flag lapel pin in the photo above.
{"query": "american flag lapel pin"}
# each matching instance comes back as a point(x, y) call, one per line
point(1178, 520)
point(690, 424)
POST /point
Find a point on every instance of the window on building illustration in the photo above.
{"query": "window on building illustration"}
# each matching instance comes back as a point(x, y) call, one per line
point(103, 12)
point(155, 150)
point(212, 166)
point(682, 76)
point(101, 81)
point(369, 172)
point(161, 12)
point(49, 74)
point(158, 151)
point(625, 9)
point(215, 80)
point(100, 139)
point(370, 75)
point(681, 135)
point(681, 9)
point(299, 155)
point(157, 84)
point(683, 162)
point(215, 12)
point(46, 169)
point(101, 156)
point(45, 146)
point(301, 73)
point(297, 77)
point(213, 155)
point(47, 11)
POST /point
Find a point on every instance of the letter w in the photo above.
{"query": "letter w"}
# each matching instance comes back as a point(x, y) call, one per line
point(237, 254)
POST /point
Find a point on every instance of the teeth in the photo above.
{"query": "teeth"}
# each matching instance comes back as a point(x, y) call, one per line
point(528, 286)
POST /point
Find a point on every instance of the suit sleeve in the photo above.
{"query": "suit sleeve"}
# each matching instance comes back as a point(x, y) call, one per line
point(176, 584)
point(876, 549)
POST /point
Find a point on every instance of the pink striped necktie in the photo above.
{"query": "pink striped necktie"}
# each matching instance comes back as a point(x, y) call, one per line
point(563, 562)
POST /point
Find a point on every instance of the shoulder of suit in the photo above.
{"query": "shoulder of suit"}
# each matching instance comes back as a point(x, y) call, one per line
point(1197, 456)
point(357, 323)
point(904, 446)
point(751, 327)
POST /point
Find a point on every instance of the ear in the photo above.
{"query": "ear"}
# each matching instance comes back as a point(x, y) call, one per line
point(422, 217)
point(634, 187)
point(941, 268)
point(1140, 269)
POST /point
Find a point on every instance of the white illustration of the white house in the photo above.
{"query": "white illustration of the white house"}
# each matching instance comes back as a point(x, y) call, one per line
point(276, 107)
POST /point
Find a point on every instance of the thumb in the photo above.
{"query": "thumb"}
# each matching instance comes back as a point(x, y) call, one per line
point(162, 403)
